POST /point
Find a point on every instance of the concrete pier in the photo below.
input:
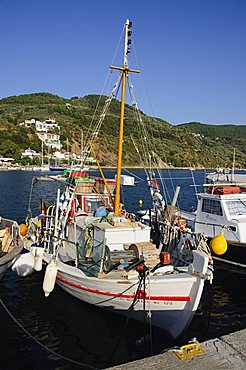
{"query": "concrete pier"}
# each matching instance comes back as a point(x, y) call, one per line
point(226, 352)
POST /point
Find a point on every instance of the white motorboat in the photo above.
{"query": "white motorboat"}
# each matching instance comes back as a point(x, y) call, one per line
point(222, 209)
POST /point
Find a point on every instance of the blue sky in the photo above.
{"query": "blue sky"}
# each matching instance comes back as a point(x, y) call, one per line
point(192, 53)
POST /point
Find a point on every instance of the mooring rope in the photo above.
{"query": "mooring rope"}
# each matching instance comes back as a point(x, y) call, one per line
point(41, 344)
point(229, 262)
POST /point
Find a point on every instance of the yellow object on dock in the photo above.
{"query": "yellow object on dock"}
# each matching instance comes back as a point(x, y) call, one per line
point(189, 350)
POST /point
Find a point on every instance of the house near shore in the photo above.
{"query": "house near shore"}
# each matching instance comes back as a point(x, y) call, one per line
point(5, 160)
point(30, 153)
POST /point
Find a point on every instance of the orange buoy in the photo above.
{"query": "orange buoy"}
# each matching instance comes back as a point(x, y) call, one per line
point(23, 229)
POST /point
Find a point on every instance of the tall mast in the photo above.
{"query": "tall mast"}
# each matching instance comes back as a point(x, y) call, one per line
point(82, 147)
point(124, 71)
point(42, 154)
point(233, 166)
point(68, 154)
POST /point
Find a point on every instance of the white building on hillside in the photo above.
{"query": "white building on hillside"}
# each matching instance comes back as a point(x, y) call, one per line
point(47, 125)
point(30, 153)
point(50, 139)
point(47, 131)
point(28, 122)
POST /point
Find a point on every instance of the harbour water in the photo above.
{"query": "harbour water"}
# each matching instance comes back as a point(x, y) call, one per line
point(60, 332)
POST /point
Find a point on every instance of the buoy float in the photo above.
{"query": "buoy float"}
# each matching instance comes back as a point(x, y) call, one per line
point(140, 202)
point(219, 244)
point(23, 229)
point(24, 264)
point(50, 278)
point(38, 258)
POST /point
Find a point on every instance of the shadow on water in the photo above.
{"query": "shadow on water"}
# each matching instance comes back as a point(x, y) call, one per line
point(66, 326)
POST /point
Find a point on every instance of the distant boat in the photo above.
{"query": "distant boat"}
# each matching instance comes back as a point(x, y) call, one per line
point(228, 176)
point(59, 167)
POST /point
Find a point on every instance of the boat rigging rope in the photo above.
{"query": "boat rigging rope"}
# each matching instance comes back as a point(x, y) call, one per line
point(129, 314)
point(124, 291)
point(146, 95)
point(93, 132)
point(229, 262)
point(41, 344)
point(147, 145)
point(194, 182)
point(29, 210)
point(136, 297)
point(149, 316)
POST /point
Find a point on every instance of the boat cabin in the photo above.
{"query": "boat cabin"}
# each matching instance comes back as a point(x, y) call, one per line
point(222, 209)
point(92, 194)
point(90, 203)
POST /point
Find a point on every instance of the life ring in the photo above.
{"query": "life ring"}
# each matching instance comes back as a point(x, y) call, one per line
point(72, 211)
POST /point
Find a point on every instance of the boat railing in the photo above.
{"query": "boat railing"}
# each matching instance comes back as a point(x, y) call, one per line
point(11, 226)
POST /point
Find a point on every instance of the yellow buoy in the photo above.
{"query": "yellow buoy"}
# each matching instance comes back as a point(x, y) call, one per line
point(140, 202)
point(219, 244)
point(23, 229)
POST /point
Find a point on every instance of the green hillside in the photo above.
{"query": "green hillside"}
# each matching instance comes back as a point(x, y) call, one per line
point(223, 137)
point(191, 144)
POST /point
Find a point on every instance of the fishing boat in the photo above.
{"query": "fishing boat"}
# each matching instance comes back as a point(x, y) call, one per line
point(10, 244)
point(101, 254)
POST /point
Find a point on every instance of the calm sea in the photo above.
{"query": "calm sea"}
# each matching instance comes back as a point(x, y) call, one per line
point(60, 332)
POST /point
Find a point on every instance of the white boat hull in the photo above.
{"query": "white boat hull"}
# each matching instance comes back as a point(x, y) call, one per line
point(172, 301)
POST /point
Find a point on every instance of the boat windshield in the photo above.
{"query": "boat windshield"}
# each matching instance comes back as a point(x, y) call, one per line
point(93, 205)
point(212, 206)
point(236, 207)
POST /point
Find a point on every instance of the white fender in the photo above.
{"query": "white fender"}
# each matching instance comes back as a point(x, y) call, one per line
point(24, 264)
point(49, 278)
point(33, 250)
point(200, 263)
point(38, 258)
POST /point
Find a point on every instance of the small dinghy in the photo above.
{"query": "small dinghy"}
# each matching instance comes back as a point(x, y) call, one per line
point(11, 244)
